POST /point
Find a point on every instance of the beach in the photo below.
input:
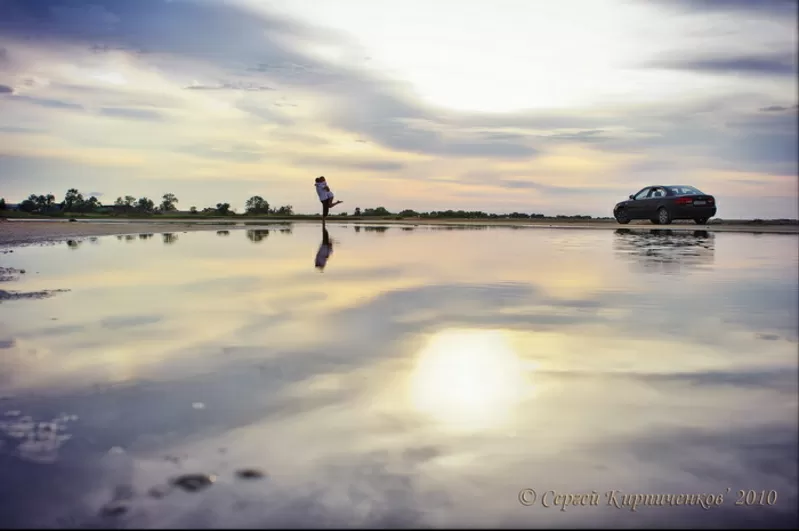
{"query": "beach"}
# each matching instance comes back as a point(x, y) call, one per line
point(23, 232)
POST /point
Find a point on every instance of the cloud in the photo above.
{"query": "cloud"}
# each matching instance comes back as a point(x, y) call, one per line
point(324, 164)
point(5, 89)
point(223, 72)
point(222, 36)
point(593, 135)
point(16, 130)
point(775, 64)
point(778, 108)
point(47, 102)
point(743, 7)
point(134, 114)
point(230, 86)
point(236, 153)
point(560, 190)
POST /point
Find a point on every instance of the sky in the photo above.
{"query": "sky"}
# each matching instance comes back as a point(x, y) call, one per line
point(554, 107)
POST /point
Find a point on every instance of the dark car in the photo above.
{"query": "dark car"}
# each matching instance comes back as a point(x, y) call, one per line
point(664, 204)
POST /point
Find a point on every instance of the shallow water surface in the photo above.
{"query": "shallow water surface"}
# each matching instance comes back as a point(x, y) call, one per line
point(400, 376)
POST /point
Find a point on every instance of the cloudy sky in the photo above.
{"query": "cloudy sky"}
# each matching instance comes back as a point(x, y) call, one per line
point(561, 106)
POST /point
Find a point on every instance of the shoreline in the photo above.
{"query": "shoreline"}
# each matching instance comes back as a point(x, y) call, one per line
point(19, 232)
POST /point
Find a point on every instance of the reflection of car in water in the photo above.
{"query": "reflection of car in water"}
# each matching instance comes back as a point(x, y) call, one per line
point(665, 250)
point(663, 204)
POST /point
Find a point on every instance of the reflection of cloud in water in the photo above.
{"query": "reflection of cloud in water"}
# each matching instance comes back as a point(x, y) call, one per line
point(663, 250)
point(39, 442)
point(344, 390)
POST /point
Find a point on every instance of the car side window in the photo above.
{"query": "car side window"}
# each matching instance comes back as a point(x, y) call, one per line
point(642, 194)
point(657, 192)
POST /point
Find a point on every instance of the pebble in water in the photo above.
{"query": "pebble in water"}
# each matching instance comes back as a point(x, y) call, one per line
point(250, 473)
point(194, 482)
point(159, 491)
point(115, 508)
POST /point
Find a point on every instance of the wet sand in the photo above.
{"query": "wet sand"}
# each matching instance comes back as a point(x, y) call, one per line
point(23, 232)
point(17, 233)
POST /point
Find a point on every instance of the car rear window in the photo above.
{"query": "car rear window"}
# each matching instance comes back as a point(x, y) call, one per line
point(685, 190)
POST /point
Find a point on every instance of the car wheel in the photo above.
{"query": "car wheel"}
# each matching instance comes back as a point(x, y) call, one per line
point(622, 217)
point(701, 221)
point(664, 218)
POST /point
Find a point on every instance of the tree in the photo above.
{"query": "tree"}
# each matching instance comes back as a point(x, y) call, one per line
point(407, 213)
point(357, 211)
point(168, 203)
point(3, 204)
point(193, 210)
point(40, 201)
point(73, 200)
point(256, 205)
point(145, 205)
point(29, 204)
point(285, 210)
point(91, 205)
point(379, 211)
point(223, 209)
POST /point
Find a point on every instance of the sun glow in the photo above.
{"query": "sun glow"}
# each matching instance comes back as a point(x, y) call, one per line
point(468, 379)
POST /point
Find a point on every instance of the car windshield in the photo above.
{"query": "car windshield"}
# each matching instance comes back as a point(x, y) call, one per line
point(685, 190)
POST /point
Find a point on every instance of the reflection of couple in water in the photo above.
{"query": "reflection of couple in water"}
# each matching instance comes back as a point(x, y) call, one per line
point(327, 199)
point(325, 249)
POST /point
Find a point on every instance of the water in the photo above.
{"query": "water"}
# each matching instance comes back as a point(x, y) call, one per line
point(423, 377)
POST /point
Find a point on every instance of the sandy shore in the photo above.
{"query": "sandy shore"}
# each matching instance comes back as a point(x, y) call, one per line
point(22, 232)
point(17, 233)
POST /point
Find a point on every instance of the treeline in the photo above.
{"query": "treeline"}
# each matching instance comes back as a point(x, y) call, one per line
point(75, 202)
point(454, 214)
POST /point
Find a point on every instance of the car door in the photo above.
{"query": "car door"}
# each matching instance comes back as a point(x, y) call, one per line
point(650, 205)
point(637, 204)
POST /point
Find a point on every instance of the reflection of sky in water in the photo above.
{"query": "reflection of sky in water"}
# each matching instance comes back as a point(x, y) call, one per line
point(423, 379)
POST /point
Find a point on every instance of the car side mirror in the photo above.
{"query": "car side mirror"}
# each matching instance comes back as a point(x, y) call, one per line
point(632, 196)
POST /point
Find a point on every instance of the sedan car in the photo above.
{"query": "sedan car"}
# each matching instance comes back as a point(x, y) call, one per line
point(664, 204)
